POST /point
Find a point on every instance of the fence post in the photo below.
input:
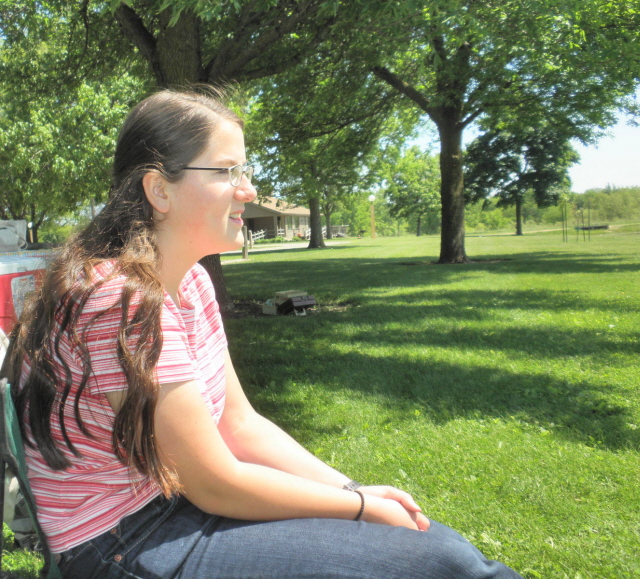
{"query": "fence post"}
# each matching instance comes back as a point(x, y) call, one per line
point(245, 245)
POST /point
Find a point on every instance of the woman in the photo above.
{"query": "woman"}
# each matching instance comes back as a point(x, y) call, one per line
point(145, 457)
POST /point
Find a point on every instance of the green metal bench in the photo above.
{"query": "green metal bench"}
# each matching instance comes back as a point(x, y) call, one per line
point(12, 451)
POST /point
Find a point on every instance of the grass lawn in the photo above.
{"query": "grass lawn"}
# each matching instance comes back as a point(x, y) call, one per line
point(503, 394)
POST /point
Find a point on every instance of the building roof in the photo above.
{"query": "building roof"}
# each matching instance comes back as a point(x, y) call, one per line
point(278, 206)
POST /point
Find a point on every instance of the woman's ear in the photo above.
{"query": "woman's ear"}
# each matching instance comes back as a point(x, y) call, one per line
point(154, 189)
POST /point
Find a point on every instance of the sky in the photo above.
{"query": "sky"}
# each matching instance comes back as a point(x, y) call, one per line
point(615, 160)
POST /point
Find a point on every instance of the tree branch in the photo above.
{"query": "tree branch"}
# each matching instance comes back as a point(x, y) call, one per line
point(276, 25)
point(246, 24)
point(303, 11)
point(472, 117)
point(405, 88)
point(135, 30)
point(439, 47)
point(282, 65)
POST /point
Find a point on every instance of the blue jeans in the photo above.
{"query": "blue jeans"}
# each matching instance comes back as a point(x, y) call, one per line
point(173, 539)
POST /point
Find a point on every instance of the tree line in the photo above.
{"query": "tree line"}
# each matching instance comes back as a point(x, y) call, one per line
point(608, 206)
point(333, 92)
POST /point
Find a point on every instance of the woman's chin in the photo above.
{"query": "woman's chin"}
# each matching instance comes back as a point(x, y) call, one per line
point(232, 245)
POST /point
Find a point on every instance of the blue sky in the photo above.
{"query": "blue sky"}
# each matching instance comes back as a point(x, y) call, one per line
point(614, 160)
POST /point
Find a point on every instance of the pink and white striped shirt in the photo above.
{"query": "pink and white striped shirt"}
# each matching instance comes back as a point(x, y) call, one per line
point(97, 490)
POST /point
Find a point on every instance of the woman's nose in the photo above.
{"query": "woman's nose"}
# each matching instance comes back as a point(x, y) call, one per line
point(246, 191)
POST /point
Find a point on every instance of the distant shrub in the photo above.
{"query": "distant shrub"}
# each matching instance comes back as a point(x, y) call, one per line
point(55, 234)
point(278, 239)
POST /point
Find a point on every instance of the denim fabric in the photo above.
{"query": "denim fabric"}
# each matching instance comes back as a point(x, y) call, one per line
point(173, 539)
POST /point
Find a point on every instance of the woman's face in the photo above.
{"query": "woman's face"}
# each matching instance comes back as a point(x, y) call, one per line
point(205, 211)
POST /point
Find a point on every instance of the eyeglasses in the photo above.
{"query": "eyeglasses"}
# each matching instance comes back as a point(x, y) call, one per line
point(235, 173)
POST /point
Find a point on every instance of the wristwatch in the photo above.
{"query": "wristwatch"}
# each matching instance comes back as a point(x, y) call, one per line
point(352, 485)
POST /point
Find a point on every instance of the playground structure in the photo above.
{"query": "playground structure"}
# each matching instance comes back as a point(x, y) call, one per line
point(580, 223)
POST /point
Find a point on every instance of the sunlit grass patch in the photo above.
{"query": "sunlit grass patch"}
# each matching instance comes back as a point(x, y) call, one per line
point(502, 393)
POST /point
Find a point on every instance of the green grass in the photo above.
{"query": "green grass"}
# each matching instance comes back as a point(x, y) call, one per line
point(503, 393)
point(17, 562)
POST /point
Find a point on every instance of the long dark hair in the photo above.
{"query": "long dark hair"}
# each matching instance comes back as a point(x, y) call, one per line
point(163, 133)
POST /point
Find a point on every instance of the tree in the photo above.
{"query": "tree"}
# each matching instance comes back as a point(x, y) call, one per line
point(56, 134)
point(508, 164)
point(320, 125)
point(189, 41)
point(320, 172)
point(572, 61)
point(413, 190)
point(55, 155)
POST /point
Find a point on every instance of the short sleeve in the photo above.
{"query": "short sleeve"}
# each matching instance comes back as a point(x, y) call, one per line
point(176, 363)
point(98, 327)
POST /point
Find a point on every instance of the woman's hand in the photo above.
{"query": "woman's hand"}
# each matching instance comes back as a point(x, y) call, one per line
point(404, 499)
point(390, 512)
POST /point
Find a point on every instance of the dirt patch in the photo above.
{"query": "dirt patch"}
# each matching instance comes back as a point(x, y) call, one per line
point(253, 309)
point(336, 307)
point(244, 309)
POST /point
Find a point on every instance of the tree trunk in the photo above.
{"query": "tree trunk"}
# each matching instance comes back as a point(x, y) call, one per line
point(519, 215)
point(316, 240)
point(451, 191)
point(178, 48)
point(214, 268)
point(418, 229)
point(327, 219)
point(35, 225)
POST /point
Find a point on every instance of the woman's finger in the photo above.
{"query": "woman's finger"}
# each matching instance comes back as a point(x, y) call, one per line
point(405, 499)
point(422, 522)
point(393, 493)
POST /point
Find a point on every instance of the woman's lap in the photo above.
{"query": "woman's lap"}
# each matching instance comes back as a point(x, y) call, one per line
point(174, 539)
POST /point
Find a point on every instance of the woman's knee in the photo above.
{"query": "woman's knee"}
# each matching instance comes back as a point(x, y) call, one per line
point(447, 554)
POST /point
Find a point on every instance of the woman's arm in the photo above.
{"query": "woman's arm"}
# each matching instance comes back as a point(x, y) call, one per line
point(213, 479)
point(254, 439)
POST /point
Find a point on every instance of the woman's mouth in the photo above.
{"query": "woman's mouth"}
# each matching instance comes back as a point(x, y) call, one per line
point(236, 217)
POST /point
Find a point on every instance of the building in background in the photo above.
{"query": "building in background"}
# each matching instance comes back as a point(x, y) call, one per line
point(276, 218)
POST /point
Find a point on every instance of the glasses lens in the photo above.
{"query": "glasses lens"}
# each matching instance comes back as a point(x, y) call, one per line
point(235, 174)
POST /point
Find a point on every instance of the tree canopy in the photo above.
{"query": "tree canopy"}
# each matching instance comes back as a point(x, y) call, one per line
point(413, 189)
point(508, 164)
point(458, 60)
point(57, 131)
point(320, 126)
point(326, 76)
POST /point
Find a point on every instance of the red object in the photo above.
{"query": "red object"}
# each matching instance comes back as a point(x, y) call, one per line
point(20, 273)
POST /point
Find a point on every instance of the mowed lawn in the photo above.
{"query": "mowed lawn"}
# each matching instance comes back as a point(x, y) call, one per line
point(504, 394)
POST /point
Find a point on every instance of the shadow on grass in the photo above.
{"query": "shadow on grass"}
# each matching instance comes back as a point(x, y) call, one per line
point(330, 277)
point(320, 274)
point(272, 353)
point(547, 343)
point(578, 411)
point(561, 263)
